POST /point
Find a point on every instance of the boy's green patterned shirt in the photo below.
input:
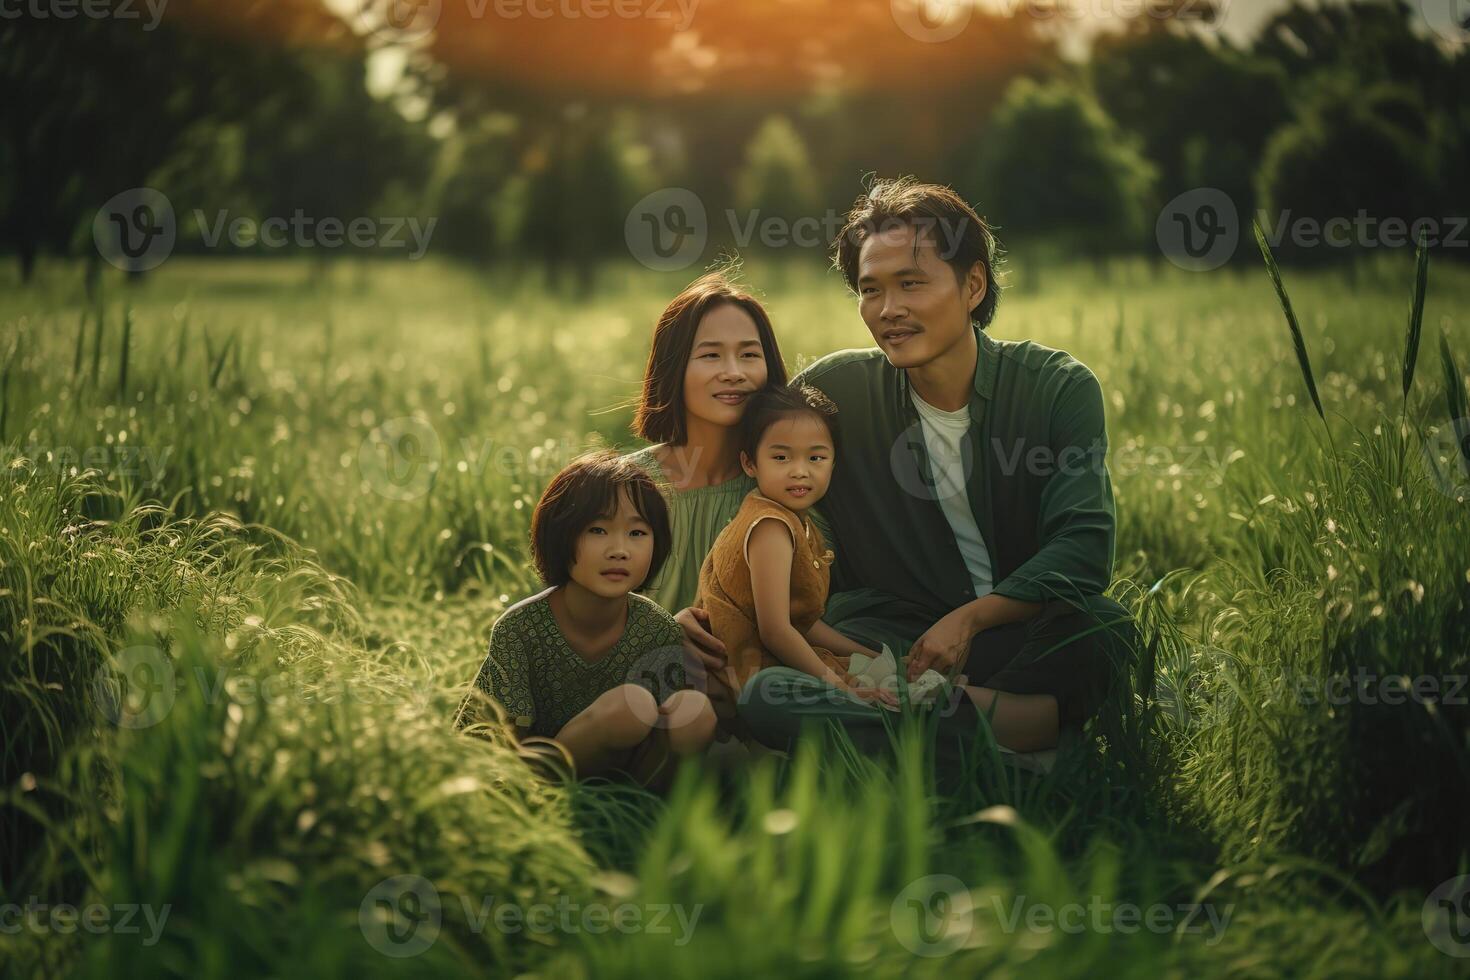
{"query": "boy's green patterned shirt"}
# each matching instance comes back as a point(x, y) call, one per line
point(543, 683)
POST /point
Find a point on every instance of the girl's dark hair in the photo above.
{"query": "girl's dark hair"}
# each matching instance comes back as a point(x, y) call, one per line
point(776, 402)
point(660, 414)
point(586, 490)
point(934, 212)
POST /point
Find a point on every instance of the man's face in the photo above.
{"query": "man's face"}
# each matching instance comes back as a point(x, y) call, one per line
point(912, 303)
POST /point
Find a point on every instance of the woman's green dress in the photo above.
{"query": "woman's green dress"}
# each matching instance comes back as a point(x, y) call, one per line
point(696, 518)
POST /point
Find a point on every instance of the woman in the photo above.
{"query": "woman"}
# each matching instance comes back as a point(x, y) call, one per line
point(712, 348)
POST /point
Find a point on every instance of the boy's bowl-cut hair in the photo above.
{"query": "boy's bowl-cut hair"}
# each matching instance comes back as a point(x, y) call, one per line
point(588, 489)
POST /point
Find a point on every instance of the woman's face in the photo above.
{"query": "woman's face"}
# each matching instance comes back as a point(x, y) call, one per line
point(727, 364)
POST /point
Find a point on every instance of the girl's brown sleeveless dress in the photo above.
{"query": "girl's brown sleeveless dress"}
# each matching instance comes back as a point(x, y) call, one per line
point(725, 589)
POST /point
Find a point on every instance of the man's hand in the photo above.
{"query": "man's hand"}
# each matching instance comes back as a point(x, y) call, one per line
point(943, 646)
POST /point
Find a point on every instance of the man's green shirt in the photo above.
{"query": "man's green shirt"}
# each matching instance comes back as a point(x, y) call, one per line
point(1035, 474)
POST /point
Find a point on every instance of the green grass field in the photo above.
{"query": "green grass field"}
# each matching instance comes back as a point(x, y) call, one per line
point(198, 498)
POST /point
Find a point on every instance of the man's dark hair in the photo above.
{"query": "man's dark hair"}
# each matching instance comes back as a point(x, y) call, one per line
point(776, 402)
point(661, 415)
point(586, 490)
point(935, 212)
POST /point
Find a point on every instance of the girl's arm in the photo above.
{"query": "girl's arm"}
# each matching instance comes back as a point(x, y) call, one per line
point(770, 550)
point(822, 635)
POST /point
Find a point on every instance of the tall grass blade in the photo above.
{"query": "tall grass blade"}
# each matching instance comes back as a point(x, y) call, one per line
point(76, 361)
point(1456, 400)
point(182, 347)
point(327, 348)
point(122, 365)
point(219, 364)
point(1296, 330)
point(5, 387)
point(101, 321)
point(1416, 313)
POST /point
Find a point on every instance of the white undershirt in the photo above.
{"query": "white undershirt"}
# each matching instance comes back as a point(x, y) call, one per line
point(944, 435)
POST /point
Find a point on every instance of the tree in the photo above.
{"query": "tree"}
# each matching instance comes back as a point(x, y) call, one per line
point(776, 181)
point(1054, 164)
point(1349, 151)
point(1203, 111)
point(577, 199)
point(100, 105)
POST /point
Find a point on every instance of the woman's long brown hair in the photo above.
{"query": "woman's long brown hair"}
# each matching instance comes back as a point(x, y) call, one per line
point(660, 415)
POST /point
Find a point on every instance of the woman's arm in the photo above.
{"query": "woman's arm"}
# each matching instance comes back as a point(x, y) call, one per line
point(822, 635)
point(770, 551)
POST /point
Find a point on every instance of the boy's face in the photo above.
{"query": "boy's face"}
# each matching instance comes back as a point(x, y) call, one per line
point(614, 552)
point(793, 465)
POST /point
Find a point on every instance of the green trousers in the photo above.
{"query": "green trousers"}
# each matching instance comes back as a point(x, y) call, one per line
point(1072, 650)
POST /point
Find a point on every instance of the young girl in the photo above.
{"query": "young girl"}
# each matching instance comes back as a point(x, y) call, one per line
point(588, 662)
point(764, 583)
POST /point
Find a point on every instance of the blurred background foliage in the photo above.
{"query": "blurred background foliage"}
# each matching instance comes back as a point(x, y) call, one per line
point(508, 130)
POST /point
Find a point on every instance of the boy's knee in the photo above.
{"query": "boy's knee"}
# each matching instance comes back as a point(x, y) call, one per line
point(628, 713)
point(691, 718)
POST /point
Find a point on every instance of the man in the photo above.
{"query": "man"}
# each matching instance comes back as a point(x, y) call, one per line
point(971, 508)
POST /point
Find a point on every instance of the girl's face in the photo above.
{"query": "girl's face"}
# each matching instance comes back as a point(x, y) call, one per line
point(727, 364)
point(793, 465)
point(614, 552)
